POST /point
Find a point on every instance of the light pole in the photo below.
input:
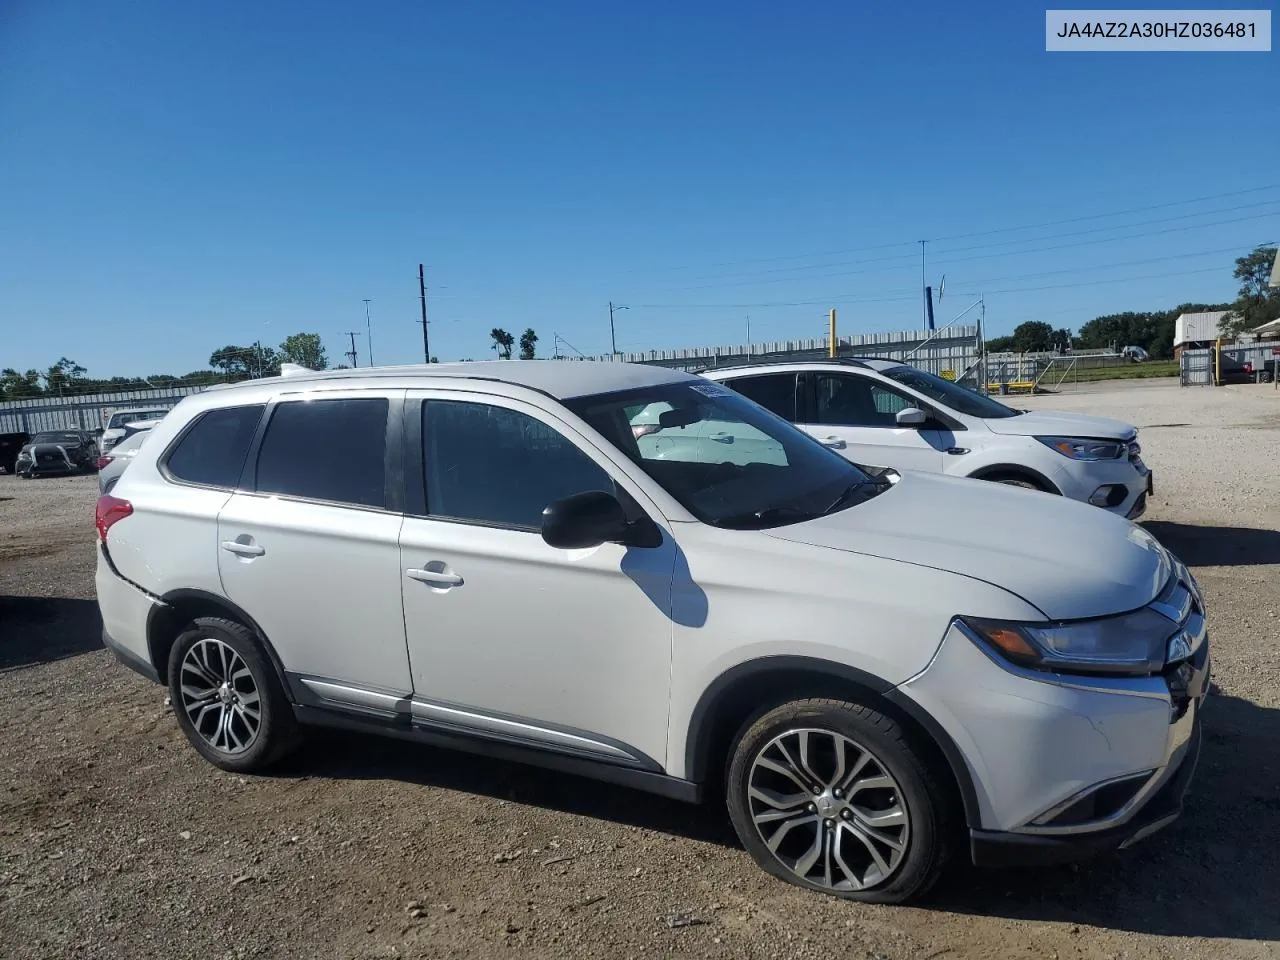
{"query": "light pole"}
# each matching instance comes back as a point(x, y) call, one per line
point(368, 326)
point(613, 339)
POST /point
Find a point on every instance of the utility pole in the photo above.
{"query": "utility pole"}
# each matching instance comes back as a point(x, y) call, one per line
point(368, 325)
point(613, 340)
point(748, 329)
point(924, 282)
point(422, 297)
point(831, 333)
point(355, 357)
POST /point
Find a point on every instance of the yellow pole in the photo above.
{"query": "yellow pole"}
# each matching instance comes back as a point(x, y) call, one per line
point(831, 333)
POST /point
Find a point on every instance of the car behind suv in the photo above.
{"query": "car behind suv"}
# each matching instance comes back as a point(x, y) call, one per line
point(870, 672)
point(891, 414)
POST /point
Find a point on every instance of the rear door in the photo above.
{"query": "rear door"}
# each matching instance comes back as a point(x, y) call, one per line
point(309, 546)
point(856, 416)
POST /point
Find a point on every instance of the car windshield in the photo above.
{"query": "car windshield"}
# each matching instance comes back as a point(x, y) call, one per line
point(728, 461)
point(56, 438)
point(133, 416)
point(949, 394)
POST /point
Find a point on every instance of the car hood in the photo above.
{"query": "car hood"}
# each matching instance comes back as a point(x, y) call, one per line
point(1068, 559)
point(1044, 423)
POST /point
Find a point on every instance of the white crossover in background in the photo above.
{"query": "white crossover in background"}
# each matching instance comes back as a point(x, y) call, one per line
point(507, 559)
point(887, 413)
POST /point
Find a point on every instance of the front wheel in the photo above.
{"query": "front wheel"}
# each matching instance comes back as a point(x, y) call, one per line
point(227, 697)
point(833, 796)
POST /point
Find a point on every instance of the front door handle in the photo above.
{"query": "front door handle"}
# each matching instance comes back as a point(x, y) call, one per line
point(243, 549)
point(722, 437)
point(436, 578)
point(835, 443)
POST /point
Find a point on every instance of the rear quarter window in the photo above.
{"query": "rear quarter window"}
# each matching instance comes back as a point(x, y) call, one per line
point(211, 452)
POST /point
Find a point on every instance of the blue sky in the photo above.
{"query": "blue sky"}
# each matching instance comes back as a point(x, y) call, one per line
point(178, 176)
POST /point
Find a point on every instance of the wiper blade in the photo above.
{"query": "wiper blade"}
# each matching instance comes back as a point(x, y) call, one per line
point(855, 487)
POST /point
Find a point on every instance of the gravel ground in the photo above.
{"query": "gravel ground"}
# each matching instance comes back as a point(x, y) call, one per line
point(116, 840)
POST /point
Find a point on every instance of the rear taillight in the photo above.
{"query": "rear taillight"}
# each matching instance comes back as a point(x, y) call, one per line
point(103, 461)
point(1248, 367)
point(110, 510)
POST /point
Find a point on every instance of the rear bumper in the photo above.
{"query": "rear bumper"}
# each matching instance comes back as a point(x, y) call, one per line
point(996, 849)
point(129, 658)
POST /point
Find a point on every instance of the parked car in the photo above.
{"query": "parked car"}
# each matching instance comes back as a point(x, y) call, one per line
point(116, 424)
point(893, 414)
point(874, 675)
point(11, 445)
point(112, 465)
point(57, 451)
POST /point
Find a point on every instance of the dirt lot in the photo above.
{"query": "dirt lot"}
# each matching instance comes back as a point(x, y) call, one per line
point(116, 840)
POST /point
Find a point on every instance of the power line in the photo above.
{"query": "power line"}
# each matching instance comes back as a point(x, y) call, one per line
point(979, 233)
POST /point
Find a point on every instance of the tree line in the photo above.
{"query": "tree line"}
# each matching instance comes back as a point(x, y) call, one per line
point(1255, 304)
point(226, 365)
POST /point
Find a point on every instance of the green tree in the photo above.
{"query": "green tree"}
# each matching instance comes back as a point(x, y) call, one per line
point(236, 362)
point(304, 349)
point(528, 344)
point(1000, 345)
point(1256, 302)
point(63, 377)
point(1032, 336)
point(20, 386)
point(503, 342)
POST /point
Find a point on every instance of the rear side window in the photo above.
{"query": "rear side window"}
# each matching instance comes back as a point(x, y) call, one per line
point(327, 450)
point(776, 392)
point(212, 451)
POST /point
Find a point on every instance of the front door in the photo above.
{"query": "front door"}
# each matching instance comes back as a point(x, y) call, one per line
point(855, 416)
point(310, 548)
point(509, 637)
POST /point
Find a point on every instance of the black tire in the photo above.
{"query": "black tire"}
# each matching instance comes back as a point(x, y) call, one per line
point(277, 730)
point(1016, 480)
point(917, 790)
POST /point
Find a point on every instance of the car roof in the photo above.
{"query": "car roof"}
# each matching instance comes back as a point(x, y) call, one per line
point(561, 379)
point(785, 366)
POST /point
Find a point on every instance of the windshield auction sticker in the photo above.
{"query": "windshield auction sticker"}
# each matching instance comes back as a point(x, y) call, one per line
point(1139, 31)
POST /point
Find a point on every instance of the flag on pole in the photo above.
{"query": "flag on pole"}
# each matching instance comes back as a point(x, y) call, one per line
point(941, 286)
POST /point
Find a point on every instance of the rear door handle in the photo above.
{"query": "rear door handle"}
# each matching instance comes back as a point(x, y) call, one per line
point(435, 578)
point(243, 549)
point(835, 443)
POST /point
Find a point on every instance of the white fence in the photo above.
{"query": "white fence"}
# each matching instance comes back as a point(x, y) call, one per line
point(89, 412)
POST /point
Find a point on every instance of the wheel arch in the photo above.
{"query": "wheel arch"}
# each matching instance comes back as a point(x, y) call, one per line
point(749, 688)
point(179, 607)
point(1016, 470)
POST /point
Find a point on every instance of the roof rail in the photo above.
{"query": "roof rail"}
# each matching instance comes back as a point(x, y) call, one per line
point(778, 361)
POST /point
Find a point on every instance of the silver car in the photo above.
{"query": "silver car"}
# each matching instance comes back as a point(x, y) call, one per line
point(111, 465)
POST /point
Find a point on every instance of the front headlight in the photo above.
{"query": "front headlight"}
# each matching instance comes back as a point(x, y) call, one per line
point(1082, 448)
point(1131, 644)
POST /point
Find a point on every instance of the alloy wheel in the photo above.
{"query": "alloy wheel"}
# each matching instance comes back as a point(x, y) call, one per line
point(220, 697)
point(828, 810)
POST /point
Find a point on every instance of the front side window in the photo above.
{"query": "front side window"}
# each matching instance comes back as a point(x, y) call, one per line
point(949, 394)
point(327, 450)
point(848, 400)
point(488, 464)
point(722, 457)
point(776, 392)
point(212, 451)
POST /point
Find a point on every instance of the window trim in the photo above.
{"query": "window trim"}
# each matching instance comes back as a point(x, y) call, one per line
point(415, 462)
point(162, 461)
point(393, 462)
point(940, 420)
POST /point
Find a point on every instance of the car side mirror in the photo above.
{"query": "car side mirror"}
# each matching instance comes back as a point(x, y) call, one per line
point(584, 520)
point(911, 417)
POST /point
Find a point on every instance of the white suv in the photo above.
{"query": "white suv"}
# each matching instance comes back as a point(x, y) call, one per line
point(872, 674)
point(891, 414)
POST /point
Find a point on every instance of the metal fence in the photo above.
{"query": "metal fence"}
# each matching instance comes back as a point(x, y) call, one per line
point(89, 412)
point(1195, 368)
point(951, 353)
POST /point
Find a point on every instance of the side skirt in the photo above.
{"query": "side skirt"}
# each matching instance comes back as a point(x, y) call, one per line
point(499, 748)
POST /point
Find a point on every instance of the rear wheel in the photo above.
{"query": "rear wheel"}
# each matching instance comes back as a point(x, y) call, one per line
point(833, 796)
point(227, 697)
